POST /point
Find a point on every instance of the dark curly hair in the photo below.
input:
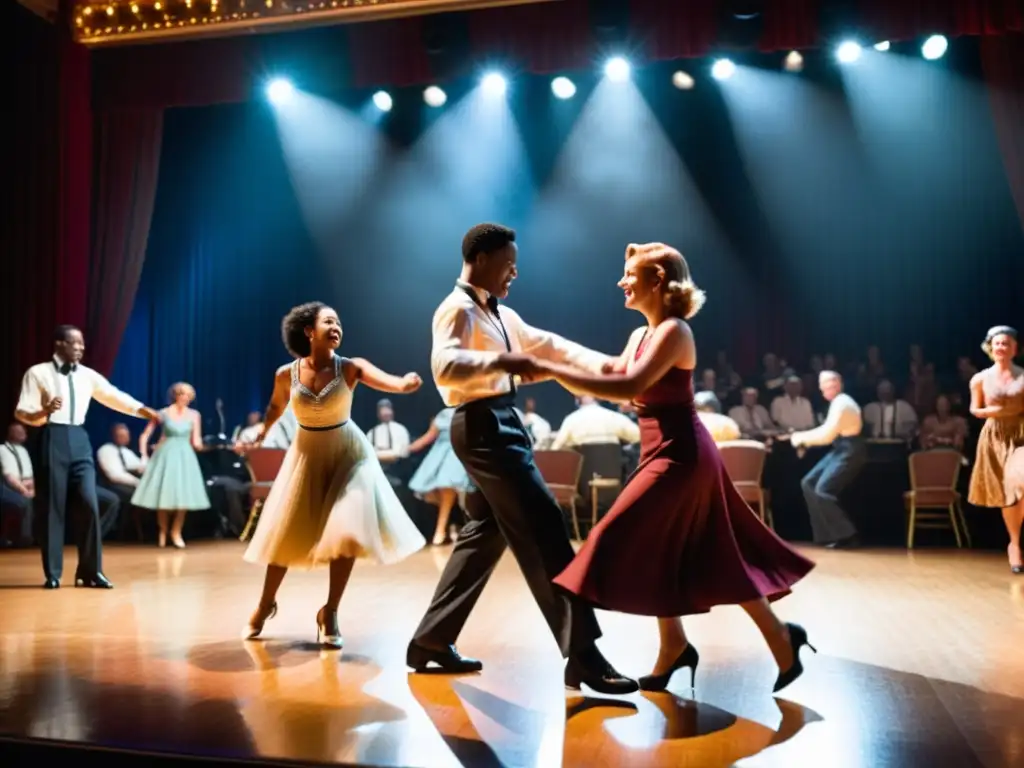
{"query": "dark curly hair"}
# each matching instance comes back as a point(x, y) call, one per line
point(294, 325)
point(486, 238)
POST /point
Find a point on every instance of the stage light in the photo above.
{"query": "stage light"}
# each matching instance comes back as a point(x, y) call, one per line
point(563, 88)
point(494, 84)
point(882, 46)
point(617, 69)
point(723, 69)
point(383, 101)
point(935, 47)
point(794, 62)
point(849, 52)
point(682, 80)
point(279, 90)
point(434, 96)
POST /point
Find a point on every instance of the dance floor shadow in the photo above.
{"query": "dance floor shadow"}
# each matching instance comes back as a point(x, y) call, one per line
point(261, 655)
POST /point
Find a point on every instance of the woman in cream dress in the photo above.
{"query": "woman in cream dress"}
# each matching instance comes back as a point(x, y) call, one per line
point(997, 395)
point(331, 502)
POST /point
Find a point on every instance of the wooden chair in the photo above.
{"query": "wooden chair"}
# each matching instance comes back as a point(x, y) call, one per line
point(263, 464)
point(744, 461)
point(602, 464)
point(561, 472)
point(933, 480)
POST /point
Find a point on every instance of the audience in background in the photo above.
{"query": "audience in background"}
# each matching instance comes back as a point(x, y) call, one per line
point(592, 423)
point(753, 418)
point(721, 427)
point(943, 429)
point(791, 411)
point(888, 418)
point(120, 469)
point(538, 427)
point(17, 490)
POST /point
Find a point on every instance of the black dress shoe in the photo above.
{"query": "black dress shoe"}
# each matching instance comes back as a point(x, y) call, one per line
point(447, 659)
point(598, 674)
point(51, 583)
point(93, 581)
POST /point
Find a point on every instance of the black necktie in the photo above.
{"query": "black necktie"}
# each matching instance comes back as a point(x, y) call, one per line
point(492, 307)
point(120, 454)
point(67, 369)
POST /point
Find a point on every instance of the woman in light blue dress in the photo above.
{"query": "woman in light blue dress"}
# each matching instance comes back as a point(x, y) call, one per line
point(440, 479)
point(172, 481)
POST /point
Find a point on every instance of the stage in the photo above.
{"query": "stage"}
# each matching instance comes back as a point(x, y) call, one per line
point(920, 664)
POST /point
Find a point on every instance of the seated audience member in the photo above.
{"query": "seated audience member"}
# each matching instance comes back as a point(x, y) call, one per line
point(538, 427)
point(792, 411)
point(592, 423)
point(119, 471)
point(390, 440)
point(889, 418)
point(752, 417)
point(253, 427)
point(17, 489)
point(943, 428)
point(721, 427)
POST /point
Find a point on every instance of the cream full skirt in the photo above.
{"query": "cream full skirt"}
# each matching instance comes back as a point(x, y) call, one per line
point(330, 500)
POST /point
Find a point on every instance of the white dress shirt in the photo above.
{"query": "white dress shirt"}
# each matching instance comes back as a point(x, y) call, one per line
point(44, 381)
point(722, 428)
point(843, 420)
point(118, 462)
point(390, 440)
point(247, 435)
point(896, 420)
point(15, 462)
point(752, 420)
point(593, 423)
point(793, 413)
point(467, 340)
point(538, 427)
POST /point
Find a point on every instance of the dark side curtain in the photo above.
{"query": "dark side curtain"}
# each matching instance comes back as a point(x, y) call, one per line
point(1003, 61)
point(127, 162)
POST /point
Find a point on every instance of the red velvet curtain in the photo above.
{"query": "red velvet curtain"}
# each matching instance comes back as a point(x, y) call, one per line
point(545, 38)
point(126, 169)
point(1003, 61)
point(389, 53)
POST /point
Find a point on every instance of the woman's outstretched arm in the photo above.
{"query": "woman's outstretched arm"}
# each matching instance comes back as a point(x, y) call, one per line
point(359, 369)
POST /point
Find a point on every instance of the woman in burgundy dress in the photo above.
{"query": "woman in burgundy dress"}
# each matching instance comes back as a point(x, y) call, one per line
point(679, 540)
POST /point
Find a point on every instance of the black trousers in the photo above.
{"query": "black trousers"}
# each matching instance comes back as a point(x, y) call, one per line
point(67, 481)
point(823, 484)
point(12, 502)
point(512, 507)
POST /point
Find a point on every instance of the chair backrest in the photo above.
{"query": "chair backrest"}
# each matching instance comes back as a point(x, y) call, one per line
point(937, 468)
point(601, 459)
point(559, 467)
point(264, 463)
point(744, 460)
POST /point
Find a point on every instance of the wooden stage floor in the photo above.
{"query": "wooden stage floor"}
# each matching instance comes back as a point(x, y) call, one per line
point(921, 663)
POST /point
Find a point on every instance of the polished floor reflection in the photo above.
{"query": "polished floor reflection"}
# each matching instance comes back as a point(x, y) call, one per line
point(920, 664)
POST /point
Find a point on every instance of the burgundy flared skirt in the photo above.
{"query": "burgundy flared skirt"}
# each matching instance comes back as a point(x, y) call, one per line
point(679, 539)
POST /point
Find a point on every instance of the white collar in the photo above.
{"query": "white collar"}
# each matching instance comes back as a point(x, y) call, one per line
point(479, 292)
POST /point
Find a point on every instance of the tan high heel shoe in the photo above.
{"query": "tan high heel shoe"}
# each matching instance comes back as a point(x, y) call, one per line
point(255, 626)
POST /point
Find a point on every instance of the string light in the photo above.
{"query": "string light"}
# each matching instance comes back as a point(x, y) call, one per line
point(125, 18)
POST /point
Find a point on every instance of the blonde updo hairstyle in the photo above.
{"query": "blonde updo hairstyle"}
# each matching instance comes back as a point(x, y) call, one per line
point(680, 294)
point(181, 387)
point(997, 330)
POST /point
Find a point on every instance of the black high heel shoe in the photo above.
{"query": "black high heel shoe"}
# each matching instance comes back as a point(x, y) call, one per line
point(797, 640)
point(688, 659)
point(328, 636)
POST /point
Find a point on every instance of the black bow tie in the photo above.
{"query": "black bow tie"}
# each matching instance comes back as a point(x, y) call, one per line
point(492, 304)
point(67, 368)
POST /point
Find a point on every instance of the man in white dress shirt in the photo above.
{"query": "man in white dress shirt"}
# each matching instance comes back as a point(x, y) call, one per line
point(120, 470)
point(792, 411)
point(55, 395)
point(477, 349)
point(592, 423)
point(538, 427)
point(889, 418)
point(840, 466)
point(17, 488)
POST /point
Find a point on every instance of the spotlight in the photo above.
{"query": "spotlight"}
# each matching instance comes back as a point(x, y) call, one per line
point(848, 52)
point(682, 80)
point(279, 90)
point(617, 69)
point(434, 96)
point(723, 69)
point(563, 88)
point(382, 100)
point(494, 84)
point(934, 47)
point(794, 62)
point(882, 46)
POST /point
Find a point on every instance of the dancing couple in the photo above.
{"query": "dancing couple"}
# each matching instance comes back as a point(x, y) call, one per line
point(679, 539)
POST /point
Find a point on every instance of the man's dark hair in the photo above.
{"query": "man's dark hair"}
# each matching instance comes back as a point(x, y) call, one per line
point(294, 325)
point(60, 333)
point(486, 238)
